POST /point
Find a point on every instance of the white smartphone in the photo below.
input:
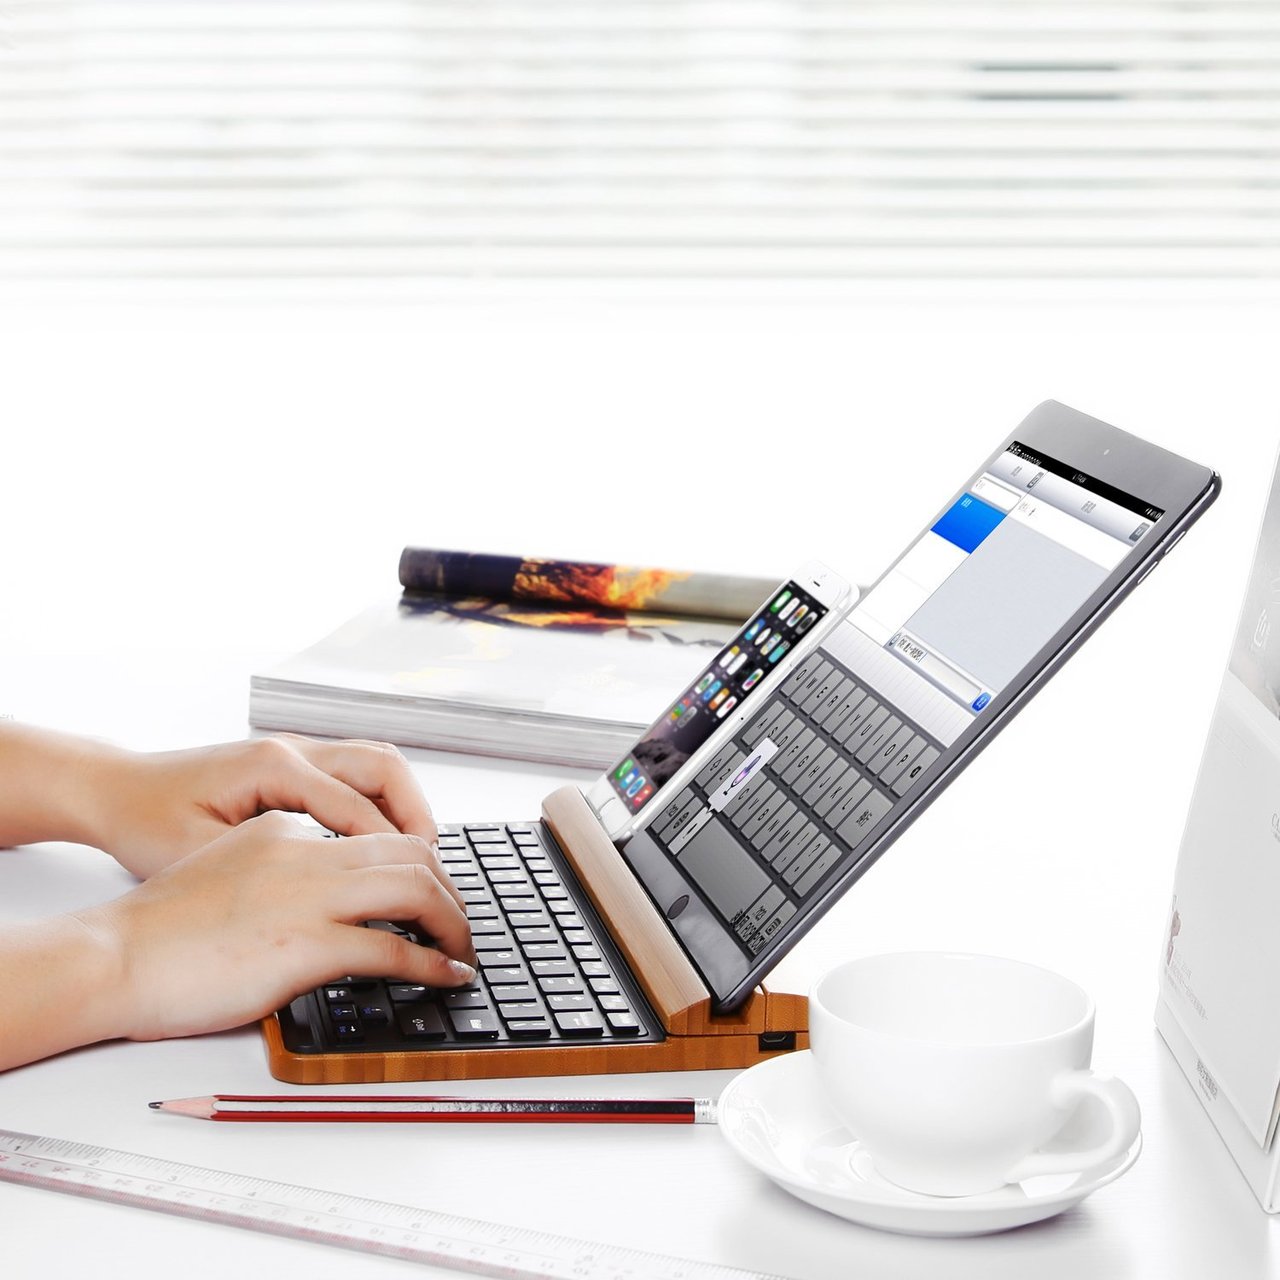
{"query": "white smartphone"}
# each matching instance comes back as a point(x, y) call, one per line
point(785, 626)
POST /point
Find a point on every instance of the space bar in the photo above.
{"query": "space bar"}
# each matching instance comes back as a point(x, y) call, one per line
point(723, 870)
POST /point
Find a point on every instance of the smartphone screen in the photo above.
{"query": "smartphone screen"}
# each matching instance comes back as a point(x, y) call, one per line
point(720, 688)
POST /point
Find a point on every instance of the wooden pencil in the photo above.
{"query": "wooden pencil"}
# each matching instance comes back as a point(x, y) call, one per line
point(355, 1108)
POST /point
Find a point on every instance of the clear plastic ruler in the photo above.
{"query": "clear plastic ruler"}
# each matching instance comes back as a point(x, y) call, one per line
point(346, 1222)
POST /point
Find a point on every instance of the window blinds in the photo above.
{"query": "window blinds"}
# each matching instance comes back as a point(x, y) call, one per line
point(805, 139)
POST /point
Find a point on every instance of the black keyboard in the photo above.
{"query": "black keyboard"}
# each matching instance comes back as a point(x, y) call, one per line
point(844, 758)
point(548, 972)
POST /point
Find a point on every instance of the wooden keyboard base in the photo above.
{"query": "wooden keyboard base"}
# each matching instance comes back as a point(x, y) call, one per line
point(768, 1023)
point(734, 1043)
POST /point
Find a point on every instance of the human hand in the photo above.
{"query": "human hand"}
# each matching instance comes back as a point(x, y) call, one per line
point(265, 912)
point(149, 810)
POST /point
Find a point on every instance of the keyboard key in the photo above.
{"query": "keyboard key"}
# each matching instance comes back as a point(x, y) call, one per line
point(555, 892)
point(786, 757)
point(481, 911)
point(705, 777)
point(499, 942)
point(348, 1032)
point(521, 904)
point(756, 730)
point(547, 877)
point(835, 767)
point(875, 742)
point(786, 853)
point(794, 773)
point(815, 849)
point(536, 935)
point(586, 949)
point(466, 1000)
point(818, 868)
point(603, 986)
point(777, 849)
point(771, 927)
point(912, 773)
point(561, 985)
point(765, 831)
point(483, 928)
point(475, 1024)
point(615, 1004)
point(817, 693)
point(342, 1012)
point(826, 757)
point(681, 808)
point(516, 1009)
point(594, 968)
point(785, 729)
point(866, 710)
point(498, 974)
point(584, 1022)
point(565, 908)
point(848, 803)
point(906, 754)
point(570, 925)
point(420, 1022)
point(529, 1028)
point(552, 968)
point(509, 992)
point(801, 672)
point(624, 1024)
point(520, 920)
point(406, 991)
point(864, 819)
point(509, 877)
point(545, 951)
point(524, 835)
point(574, 1000)
point(486, 835)
point(342, 994)
point(373, 1013)
point(760, 790)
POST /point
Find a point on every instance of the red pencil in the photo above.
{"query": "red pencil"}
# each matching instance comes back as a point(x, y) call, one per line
point(363, 1109)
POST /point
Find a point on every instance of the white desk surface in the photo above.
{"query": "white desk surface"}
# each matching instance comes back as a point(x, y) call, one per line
point(1056, 846)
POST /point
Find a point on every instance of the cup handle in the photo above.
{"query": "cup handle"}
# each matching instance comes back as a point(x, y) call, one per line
point(1068, 1090)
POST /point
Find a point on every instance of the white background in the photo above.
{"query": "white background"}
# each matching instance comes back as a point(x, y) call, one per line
point(192, 492)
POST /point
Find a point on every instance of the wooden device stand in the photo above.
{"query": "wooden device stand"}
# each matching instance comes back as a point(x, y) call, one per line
point(768, 1023)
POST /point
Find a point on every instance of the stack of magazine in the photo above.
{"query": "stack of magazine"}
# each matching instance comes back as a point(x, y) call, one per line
point(555, 661)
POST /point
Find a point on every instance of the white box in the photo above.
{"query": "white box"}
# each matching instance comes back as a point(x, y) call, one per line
point(1219, 1005)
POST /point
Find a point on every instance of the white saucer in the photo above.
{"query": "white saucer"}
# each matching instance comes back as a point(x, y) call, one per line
point(775, 1117)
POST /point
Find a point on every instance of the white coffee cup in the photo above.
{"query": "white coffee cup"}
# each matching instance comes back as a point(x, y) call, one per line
point(954, 1070)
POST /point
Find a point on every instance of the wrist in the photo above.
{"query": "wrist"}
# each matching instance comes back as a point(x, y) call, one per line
point(71, 965)
point(54, 786)
point(91, 786)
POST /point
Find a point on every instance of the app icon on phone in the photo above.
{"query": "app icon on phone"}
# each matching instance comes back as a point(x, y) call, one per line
point(711, 691)
point(632, 775)
point(729, 656)
point(806, 624)
point(704, 683)
point(799, 613)
point(780, 601)
point(750, 632)
point(764, 637)
point(778, 651)
point(737, 664)
point(718, 699)
point(622, 769)
point(752, 680)
point(643, 794)
point(728, 706)
point(788, 608)
point(634, 788)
